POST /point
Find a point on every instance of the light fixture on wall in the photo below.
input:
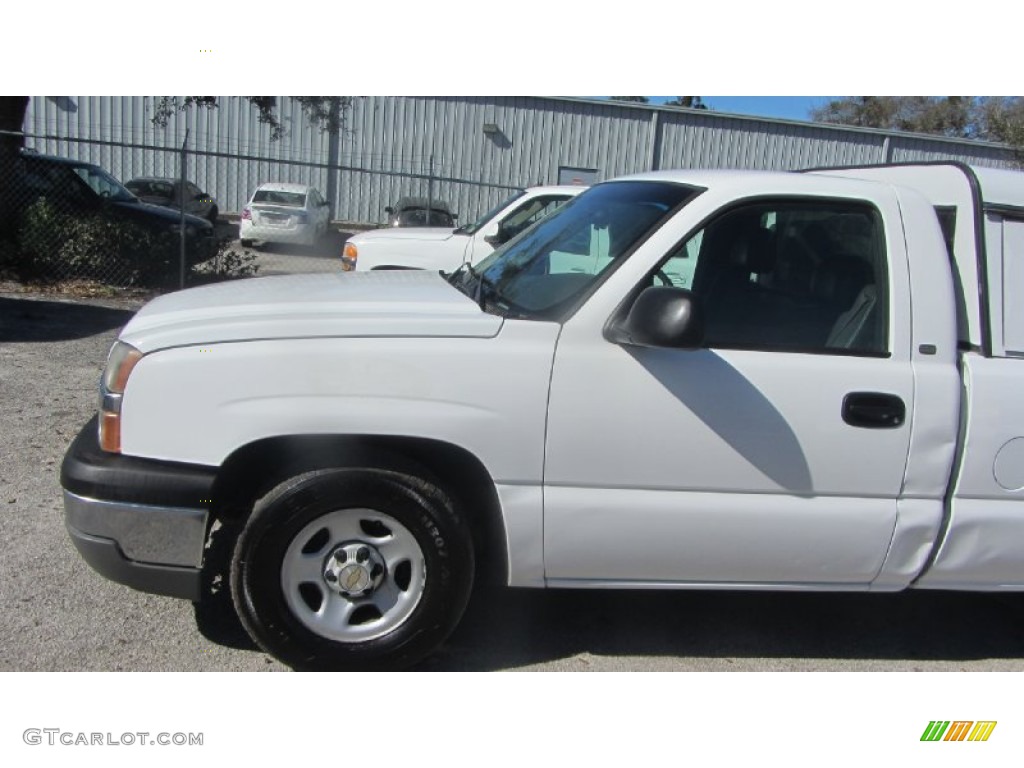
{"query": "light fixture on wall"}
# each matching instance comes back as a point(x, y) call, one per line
point(491, 129)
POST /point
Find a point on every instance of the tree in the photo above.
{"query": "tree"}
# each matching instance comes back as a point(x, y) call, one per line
point(693, 102)
point(634, 99)
point(1004, 118)
point(987, 118)
point(945, 116)
point(12, 117)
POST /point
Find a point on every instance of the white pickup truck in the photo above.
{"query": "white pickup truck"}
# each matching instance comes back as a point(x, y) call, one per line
point(685, 379)
point(446, 249)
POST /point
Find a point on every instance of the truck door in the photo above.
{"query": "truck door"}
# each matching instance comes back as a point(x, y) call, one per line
point(772, 455)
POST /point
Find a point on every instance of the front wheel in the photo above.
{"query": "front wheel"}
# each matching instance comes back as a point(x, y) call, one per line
point(352, 569)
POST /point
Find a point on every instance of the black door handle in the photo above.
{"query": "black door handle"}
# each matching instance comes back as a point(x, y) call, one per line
point(874, 410)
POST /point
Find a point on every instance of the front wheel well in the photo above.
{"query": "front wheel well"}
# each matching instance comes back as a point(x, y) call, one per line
point(253, 470)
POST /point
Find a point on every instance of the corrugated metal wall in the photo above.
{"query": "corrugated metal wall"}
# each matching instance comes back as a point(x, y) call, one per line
point(394, 143)
point(712, 141)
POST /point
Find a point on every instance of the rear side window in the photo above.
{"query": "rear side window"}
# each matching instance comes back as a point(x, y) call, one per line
point(1013, 286)
point(56, 182)
point(151, 188)
point(789, 276)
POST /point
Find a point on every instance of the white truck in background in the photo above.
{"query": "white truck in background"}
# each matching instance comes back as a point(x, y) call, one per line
point(682, 380)
point(446, 249)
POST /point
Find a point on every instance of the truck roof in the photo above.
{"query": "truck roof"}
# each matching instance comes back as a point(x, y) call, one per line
point(742, 181)
point(1000, 186)
point(997, 186)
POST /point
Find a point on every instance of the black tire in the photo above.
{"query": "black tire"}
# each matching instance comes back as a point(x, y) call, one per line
point(213, 215)
point(370, 512)
point(246, 243)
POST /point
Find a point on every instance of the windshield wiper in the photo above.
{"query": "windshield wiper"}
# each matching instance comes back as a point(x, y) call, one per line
point(454, 275)
point(484, 292)
point(459, 279)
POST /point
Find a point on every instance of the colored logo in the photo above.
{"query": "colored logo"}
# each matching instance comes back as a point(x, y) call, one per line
point(958, 730)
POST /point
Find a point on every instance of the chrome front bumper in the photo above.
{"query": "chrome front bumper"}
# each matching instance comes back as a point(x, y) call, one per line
point(150, 548)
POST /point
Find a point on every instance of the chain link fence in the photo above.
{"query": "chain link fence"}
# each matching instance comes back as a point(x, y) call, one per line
point(69, 220)
point(130, 215)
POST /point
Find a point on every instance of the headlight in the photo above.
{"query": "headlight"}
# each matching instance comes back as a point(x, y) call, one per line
point(349, 256)
point(120, 362)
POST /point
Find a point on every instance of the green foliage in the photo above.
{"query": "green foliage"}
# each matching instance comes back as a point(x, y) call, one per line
point(228, 264)
point(1004, 118)
point(52, 245)
point(987, 118)
point(693, 102)
point(991, 118)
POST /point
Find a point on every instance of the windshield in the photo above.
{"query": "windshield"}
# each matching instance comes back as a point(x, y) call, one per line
point(420, 217)
point(543, 270)
point(103, 184)
point(469, 229)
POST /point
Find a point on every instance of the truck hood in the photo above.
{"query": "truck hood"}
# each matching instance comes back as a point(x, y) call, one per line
point(389, 303)
point(423, 234)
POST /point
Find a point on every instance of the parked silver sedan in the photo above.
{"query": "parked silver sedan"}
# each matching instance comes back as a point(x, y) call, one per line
point(284, 213)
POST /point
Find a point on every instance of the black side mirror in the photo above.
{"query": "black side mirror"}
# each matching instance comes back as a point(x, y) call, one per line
point(499, 237)
point(661, 316)
point(389, 209)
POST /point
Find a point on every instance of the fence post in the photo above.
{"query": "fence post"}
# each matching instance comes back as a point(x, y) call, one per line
point(430, 192)
point(181, 205)
point(334, 156)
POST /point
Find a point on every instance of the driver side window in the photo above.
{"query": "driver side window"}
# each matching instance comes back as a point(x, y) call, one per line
point(800, 276)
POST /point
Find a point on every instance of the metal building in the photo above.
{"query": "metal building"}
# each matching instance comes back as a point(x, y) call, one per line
point(469, 151)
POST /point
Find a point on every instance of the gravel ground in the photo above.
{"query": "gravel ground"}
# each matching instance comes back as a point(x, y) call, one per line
point(56, 614)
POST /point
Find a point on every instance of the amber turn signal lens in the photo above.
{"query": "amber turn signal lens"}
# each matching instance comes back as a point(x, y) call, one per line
point(110, 432)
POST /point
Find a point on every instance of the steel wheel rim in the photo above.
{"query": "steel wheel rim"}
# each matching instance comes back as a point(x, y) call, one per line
point(320, 566)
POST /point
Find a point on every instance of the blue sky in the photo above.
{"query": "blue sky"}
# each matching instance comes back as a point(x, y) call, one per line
point(788, 107)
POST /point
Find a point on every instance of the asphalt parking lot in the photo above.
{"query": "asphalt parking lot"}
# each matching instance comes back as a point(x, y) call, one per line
point(56, 614)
